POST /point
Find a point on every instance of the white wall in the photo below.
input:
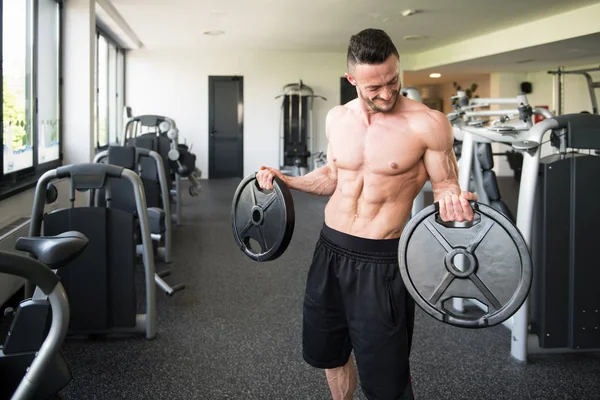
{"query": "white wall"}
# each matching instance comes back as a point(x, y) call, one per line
point(576, 97)
point(506, 84)
point(79, 87)
point(175, 84)
point(576, 94)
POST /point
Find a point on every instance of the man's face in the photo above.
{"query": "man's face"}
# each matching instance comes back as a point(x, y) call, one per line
point(377, 85)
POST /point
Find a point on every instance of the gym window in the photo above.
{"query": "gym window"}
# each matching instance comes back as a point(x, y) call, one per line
point(31, 99)
point(110, 72)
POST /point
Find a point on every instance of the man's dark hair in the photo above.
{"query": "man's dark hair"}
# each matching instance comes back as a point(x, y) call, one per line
point(370, 46)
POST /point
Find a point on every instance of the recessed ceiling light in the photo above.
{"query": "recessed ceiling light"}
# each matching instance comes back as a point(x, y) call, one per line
point(214, 33)
point(414, 37)
point(435, 75)
point(408, 13)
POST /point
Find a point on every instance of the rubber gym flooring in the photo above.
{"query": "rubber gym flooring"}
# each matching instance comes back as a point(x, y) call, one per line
point(235, 332)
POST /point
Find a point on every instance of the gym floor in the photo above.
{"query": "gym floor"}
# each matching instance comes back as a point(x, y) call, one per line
point(235, 332)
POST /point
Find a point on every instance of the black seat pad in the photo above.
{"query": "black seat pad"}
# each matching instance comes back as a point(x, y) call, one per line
point(156, 217)
point(54, 251)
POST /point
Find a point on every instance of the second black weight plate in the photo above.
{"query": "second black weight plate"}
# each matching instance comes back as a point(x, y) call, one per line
point(486, 261)
point(266, 217)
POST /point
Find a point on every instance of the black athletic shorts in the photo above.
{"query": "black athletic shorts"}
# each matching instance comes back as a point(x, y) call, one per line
point(355, 300)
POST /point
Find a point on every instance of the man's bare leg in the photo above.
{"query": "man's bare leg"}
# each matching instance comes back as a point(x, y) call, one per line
point(342, 381)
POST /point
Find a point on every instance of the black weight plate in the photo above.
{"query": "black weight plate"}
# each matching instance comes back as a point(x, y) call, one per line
point(497, 271)
point(266, 216)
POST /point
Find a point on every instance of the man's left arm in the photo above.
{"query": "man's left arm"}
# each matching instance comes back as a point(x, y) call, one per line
point(442, 168)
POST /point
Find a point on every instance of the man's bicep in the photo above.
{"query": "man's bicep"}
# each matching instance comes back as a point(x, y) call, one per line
point(439, 157)
point(441, 165)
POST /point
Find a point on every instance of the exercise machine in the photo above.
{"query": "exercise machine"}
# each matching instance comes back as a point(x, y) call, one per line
point(476, 160)
point(296, 139)
point(476, 173)
point(149, 166)
point(476, 112)
point(556, 230)
point(101, 281)
point(31, 363)
point(559, 85)
point(160, 134)
point(154, 133)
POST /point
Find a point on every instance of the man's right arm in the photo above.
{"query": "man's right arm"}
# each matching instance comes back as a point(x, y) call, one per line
point(322, 181)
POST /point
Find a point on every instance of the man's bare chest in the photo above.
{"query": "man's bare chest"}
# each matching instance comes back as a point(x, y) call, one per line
point(384, 150)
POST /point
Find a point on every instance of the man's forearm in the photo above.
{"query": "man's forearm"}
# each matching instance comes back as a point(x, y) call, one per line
point(321, 182)
point(442, 189)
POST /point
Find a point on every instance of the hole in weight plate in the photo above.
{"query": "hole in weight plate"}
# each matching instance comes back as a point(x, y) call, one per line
point(256, 216)
point(473, 308)
point(254, 246)
point(460, 262)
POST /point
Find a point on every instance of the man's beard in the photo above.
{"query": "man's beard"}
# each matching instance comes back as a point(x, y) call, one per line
point(391, 104)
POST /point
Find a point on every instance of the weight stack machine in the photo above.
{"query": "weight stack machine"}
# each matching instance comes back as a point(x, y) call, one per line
point(565, 298)
point(296, 140)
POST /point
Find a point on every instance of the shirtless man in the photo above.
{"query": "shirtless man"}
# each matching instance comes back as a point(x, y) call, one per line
point(382, 147)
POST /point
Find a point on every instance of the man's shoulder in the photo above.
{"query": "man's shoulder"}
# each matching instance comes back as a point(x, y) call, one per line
point(418, 109)
point(344, 108)
point(431, 126)
point(339, 111)
point(421, 117)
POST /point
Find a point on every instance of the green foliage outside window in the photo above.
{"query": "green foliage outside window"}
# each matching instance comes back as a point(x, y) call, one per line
point(13, 119)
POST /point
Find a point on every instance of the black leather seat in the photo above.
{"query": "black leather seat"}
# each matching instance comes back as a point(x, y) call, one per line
point(156, 217)
point(54, 251)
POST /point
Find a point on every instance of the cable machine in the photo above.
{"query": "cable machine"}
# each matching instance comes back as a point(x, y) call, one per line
point(559, 83)
point(296, 139)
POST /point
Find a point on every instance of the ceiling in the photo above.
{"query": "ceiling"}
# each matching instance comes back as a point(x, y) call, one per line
point(583, 50)
point(324, 25)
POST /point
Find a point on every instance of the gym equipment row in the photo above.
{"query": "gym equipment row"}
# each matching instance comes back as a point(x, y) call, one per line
point(556, 215)
point(95, 249)
point(160, 134)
